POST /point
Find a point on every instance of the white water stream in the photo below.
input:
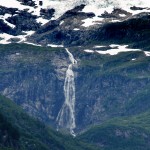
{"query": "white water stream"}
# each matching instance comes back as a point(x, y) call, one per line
point(66, 116)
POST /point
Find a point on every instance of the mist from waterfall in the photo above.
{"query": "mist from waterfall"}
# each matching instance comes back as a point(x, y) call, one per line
point(66, 116)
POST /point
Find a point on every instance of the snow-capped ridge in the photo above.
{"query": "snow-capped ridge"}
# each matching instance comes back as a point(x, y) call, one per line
point(102, 12)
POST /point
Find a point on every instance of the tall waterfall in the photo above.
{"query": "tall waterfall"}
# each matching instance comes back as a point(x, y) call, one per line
point(66, 116)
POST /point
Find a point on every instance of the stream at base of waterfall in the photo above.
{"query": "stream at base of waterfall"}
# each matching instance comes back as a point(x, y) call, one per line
point(66, 115)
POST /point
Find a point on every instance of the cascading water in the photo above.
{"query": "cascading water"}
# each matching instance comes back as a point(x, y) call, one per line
point(66, 116)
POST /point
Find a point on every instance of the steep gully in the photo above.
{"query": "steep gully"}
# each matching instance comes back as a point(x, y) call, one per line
point(66, 115)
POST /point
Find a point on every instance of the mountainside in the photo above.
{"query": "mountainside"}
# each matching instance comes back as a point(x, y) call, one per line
point(73, 65)
point(69, 22)
point(121, 134)
point(79, 28)
point(115, 85)
point(20, 131)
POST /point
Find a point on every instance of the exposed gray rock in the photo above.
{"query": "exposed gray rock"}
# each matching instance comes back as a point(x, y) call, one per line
point(24, 21)
point(47, 13)
point(27, 2)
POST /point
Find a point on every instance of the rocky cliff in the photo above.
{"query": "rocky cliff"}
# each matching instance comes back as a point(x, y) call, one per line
point(108, 40)
point(106, 86)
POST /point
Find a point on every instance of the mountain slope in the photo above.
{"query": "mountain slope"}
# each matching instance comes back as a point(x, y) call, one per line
point(110, 41)
point(121, 134)
point(20, 131)
point(79, 28)
point(19, 19)
point(107, 86)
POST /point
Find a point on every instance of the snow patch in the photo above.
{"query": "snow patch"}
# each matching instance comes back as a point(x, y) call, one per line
point(53, 45)
point(147, 53)
point(28, 33)
point(61, 6)
point(13, 4)
point(116, 51)
point(96, 6)
point(76, 29)
point(92, 21)
point(6, 38)
point(133, 59)
point(115, 20)
point(42, 21)
point(4, 17)
point(7, 15)
point(98, 46)
point(17, 54)
point(114, 45)
point(99, 7)
point(122, 15)
point(9, 24)
point(89, 51)
point(61, 22)
point(32, 44)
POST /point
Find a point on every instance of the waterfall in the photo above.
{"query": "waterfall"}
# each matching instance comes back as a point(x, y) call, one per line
point(66, 115)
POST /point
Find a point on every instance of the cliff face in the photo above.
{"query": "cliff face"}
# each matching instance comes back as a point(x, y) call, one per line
point(106, 86)
point(111, 86)
point(29, 76)
point(72, 65)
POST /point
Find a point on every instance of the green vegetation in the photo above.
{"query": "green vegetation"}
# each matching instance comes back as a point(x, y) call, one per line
point(121, 64)
point(22, 47)
point(140, 102)
point(22, 56)
point(20, 131)
point(126, 133)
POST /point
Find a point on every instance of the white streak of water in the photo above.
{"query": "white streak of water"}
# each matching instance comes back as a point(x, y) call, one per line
point(66, 116)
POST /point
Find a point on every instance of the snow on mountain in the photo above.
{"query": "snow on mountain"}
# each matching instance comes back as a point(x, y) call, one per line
point(115, 49)
point(19, 19)
point(61, 6)
point(96, 6)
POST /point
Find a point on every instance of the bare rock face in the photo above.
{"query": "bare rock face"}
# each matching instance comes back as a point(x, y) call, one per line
point(37, 77)
point(5, 10)
point(47, 13)
point(136, 8)
point(27, 2)
point(24, 21)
